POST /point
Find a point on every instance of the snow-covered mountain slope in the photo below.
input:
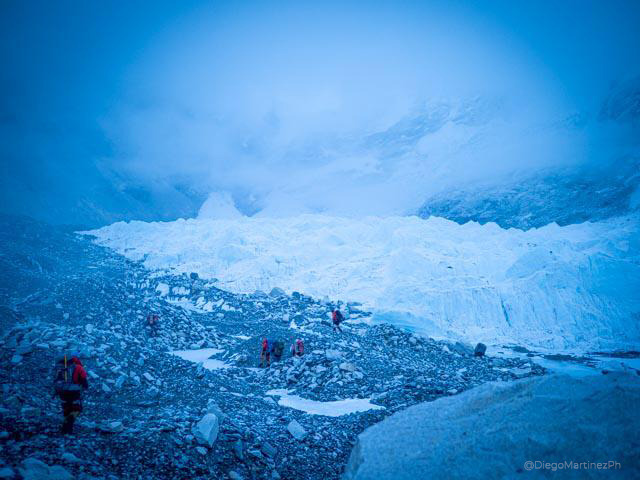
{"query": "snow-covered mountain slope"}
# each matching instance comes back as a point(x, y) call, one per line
point(574, 287)
point(561, 196)
point(603, 184)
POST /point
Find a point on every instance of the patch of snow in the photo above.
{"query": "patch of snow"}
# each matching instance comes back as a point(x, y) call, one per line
point(328, 409)
point(187, 304)
point(278, 392)
point(202, 356)
point(163, 289)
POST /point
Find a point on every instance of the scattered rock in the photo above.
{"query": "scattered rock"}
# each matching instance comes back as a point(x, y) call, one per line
point(7, 473)
point(277, 292)
point(333, 354)
point(238, 449)
point(521, 372)
point(34, 469)
point(212, 407)
point(70, 458)
point(463, 348)
point(348, 367)
point(112, 427)
point(206, 430)
point(480, 350)
point(162, 396)
point(296, 430)
point(268, 449)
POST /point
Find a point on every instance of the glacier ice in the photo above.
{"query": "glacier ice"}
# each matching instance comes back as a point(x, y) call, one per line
point(562, 288)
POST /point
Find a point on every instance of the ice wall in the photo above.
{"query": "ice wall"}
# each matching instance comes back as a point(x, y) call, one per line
point(563, 288)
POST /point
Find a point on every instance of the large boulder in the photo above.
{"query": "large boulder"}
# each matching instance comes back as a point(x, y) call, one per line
point(493, 431)
point(333, 354)
point(462, 348)
point(212, 407)
point(277, 292)
point(206, 430)
point(480, 350)
point(34, 469)
point(111, 427)
point(348, 367)
point(7, 473)
point(296, 430)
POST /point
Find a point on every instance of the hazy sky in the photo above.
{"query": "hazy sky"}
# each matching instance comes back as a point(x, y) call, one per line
point(276, 102)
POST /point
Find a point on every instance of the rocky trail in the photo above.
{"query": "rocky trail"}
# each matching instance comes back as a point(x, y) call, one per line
point(186, 399)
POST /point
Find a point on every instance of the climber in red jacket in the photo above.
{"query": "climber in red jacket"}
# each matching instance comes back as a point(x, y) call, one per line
point(70, 379)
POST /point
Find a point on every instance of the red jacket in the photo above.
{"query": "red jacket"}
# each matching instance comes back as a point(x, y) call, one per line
point(79, 373)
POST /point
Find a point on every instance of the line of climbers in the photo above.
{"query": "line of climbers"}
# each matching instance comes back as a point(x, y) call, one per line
point(70, 378)
point(153, 322)
point(274, 348)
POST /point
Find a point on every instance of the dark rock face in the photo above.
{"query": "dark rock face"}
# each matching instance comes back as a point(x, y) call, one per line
point(563, 197)
point(59, 293)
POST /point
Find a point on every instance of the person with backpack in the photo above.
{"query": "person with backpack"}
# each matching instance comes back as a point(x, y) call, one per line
point(69, 382)
point(277, 350)
point(337, 318)
point(265, 353)
point(152, 323)
point(297, 348)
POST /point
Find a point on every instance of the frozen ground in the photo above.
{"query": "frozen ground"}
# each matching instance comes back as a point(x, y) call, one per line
point(335, 408)
point(202, 356)
point(561, 288)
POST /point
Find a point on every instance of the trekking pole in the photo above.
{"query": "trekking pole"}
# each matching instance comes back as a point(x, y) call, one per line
point(65, 368)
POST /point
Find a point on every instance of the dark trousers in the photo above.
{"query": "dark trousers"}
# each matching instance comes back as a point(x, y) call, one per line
point(265, 355)
point(70, 410)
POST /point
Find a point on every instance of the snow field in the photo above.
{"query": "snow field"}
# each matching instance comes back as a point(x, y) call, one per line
point(560, 288)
